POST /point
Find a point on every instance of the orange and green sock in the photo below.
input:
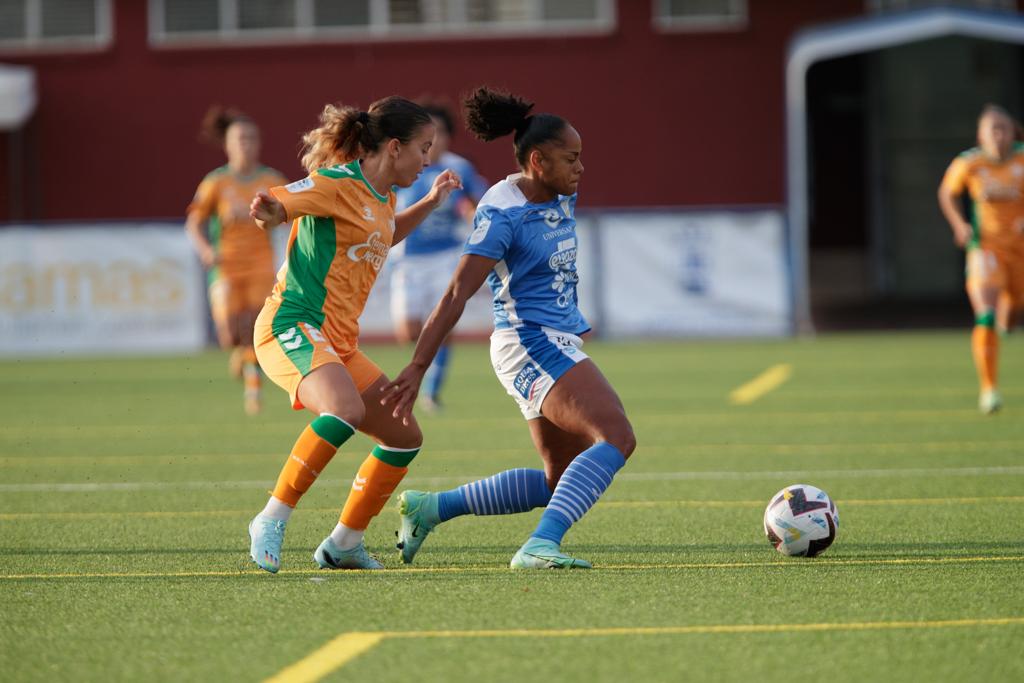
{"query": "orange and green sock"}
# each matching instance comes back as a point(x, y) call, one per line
point(377, 479)
point(985, 347)
point(314, 449)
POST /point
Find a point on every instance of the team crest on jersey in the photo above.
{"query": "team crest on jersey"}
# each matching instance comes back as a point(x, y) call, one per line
point(367, 213)
point(374, 251)
point(525, 380)
point(480, 232)
point(552, 217)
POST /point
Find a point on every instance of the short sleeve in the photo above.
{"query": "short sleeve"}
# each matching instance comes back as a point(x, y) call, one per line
point(492, 234)
point(955, 179)
point(205, 200)
point(315, 195)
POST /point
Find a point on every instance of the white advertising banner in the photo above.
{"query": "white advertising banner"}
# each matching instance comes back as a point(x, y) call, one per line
point(115, 288)
point(694, 274)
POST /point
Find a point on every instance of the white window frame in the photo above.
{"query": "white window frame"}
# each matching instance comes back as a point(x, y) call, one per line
point(379, 28)
point(738, 20)
point(34, 41)
point(881, 7)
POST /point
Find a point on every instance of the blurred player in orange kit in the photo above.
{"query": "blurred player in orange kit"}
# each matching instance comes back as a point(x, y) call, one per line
point(992, 174)
point(343, 225)
point(236, 254)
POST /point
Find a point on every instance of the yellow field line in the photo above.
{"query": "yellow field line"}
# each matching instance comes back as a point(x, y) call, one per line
point(328, 658)
point(770, 379)
point(639, 504)
point(485, 569)
point(346, 647)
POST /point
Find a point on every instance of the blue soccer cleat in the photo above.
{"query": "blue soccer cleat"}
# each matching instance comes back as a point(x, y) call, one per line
point(266, 536)
point(330, 556)
point(538, 553)
point(419, 517)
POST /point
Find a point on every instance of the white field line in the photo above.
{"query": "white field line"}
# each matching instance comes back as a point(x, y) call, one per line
point(88, 487)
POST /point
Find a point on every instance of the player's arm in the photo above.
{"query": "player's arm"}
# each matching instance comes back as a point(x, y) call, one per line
point(407, 220)
point(949, 197)
point(195, 227)
point(469, 276)
point(199, 212)
point(316, 195)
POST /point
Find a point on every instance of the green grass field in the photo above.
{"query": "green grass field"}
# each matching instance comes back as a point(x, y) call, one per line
point(127, 485)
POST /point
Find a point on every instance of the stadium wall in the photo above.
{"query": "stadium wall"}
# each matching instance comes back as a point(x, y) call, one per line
point(668, 119)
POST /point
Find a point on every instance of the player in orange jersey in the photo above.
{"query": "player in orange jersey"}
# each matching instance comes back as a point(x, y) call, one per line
point(343, 225)
point(237, 254)
point(992, 174)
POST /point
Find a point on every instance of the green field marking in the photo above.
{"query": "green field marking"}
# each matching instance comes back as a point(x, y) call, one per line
point(341, 650)
point(788, 564)
point(628, 504)
point(767, 381)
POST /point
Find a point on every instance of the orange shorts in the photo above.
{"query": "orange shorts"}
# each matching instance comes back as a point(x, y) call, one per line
point(990, 269)
point(230, 296)
point(289, 356)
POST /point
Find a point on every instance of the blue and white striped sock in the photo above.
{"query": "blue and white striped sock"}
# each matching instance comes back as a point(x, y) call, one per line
point(583, 482)
point(505, 493)
point(436, 372)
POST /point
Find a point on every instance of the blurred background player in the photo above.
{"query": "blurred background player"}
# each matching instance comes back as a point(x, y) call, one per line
point(237, 255)
point(426, 259)
point(343, 224)
point(524, 245)
point(992, 174)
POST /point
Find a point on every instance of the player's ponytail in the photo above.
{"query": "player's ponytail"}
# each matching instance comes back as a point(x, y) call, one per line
point(216, 122)
point(346, 133)
point(491, 114)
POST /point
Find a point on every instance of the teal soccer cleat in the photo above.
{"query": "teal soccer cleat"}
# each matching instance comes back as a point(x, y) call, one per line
point(419, 517)
point(330, 556)
point(538, 553)
point(266, 536)
point(990, 402)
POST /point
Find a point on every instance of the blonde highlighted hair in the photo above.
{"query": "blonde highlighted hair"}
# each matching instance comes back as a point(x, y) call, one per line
point(346, 133)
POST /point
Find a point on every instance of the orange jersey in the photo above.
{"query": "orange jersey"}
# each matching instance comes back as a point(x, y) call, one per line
point(997, 192)
point(341, 233)
point(223, 200)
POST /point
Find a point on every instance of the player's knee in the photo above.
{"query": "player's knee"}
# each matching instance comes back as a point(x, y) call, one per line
point(620, 434)
point(352, 413)
point(410, 436)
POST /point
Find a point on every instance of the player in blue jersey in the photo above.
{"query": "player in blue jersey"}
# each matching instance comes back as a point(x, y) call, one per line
point(524, 245)
point(427, 257)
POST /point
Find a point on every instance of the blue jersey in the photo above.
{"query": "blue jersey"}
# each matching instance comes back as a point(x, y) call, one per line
point(443, 228)
point(534, 281)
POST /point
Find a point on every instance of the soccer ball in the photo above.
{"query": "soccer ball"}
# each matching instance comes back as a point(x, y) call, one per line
point(801, 520)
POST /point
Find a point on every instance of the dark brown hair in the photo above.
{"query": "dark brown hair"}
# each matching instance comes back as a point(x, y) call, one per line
point(346, 133)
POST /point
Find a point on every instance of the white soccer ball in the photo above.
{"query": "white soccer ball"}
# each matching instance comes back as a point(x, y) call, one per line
point(801, 520)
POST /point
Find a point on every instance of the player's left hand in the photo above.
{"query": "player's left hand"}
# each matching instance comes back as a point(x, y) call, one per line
point(402, 392)
point(444, 184)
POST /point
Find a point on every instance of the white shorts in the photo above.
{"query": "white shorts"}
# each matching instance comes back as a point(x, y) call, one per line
point(419, 281)
point(529, 360)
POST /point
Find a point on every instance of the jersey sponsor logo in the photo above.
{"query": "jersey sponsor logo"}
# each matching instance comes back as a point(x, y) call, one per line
point(300, 185)
point(565, 230)
point(478, 235)
point(374, 251)
point(563, 262)
point(525, 380)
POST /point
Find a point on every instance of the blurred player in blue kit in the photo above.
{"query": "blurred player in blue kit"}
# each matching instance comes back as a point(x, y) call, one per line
point(524, 245)
point(426, 259)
